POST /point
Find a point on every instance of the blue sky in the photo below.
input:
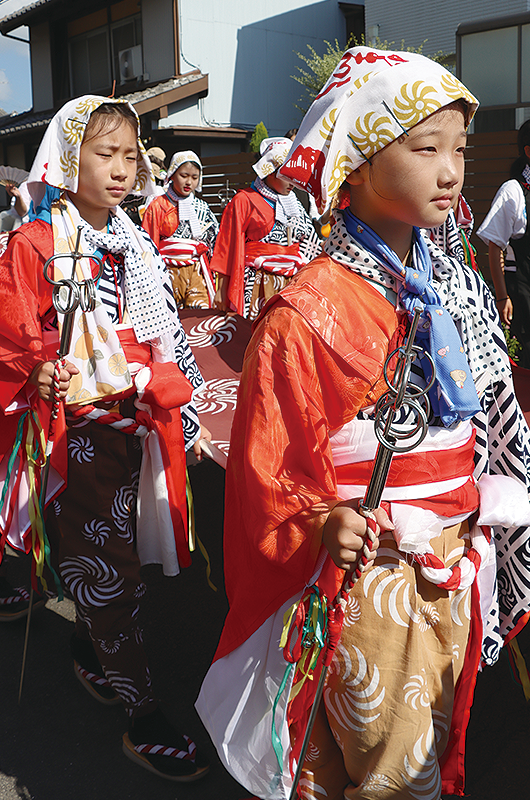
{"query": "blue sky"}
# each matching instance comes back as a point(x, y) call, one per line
point(15, 78)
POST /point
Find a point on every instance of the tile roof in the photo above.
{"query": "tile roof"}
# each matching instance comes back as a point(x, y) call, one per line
point(6, 23)
point(12, 123)
point(161, 88)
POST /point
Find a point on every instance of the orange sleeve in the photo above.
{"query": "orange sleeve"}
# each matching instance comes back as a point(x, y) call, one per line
point(151, 221)
point(280, 483)
point(25, 298)
point(161, 219)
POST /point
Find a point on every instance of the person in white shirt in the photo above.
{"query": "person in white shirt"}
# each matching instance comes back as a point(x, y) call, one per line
point(505, 232)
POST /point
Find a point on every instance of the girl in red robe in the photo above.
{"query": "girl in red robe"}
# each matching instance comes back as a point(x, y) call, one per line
point(264, 238)
point(391, 128)
point(116, 492)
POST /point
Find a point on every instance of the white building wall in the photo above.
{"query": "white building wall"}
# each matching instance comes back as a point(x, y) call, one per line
point(416, 20)
point(248, 48)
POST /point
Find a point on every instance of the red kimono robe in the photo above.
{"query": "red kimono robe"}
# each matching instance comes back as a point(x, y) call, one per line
point(247, 217)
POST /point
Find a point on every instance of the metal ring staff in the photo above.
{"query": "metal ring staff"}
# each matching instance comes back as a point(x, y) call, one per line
point(68, 295)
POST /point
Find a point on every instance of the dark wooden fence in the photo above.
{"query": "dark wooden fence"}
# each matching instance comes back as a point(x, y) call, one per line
point(488, 161)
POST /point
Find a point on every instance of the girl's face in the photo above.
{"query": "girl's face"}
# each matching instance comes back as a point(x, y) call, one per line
point(186, 179)
point(107, 172)
point(278, 183)
point(414, 180)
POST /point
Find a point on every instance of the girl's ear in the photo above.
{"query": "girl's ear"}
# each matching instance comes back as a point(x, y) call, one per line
point(527, 152)
point(358, 176)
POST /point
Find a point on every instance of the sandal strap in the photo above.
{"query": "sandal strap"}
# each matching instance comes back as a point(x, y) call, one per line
point(162, 750)
point(90, 676)
point(21, 596)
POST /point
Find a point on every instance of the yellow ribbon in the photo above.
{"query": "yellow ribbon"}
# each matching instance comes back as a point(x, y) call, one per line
point(307, 662)
point(192, 534)
point(522, 669)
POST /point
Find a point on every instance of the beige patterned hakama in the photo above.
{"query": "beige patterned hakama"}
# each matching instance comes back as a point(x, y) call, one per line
point(189, 287)
point(390, 688)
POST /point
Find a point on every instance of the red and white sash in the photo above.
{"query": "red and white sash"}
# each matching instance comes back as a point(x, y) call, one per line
point(275, 258)
point(178, 252)
point(429, 489)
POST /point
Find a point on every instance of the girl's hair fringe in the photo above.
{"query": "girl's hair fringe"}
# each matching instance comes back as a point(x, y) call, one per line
point(107, 117)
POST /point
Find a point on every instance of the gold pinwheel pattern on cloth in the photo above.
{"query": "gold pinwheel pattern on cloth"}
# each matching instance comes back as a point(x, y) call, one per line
point(86, 106)
point(359, 82)
point(69, 164)
point(279, 158)
point(73, 131)
point(142, 177)
point(452, 86)
point(371, 133)
point(342, 167)
point(415, 102)
point(267, 169)
point(328, 125)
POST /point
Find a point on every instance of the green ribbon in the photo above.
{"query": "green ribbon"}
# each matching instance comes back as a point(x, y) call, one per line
point(314, 635)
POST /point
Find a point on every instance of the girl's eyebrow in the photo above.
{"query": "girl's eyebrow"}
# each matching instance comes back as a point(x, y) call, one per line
point(110, 146)
point(434, 132)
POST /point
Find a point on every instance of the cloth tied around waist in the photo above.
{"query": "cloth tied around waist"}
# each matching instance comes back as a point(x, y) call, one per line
point(182, 252)
point(178, 252)
point(429, 489)
point(275, 258)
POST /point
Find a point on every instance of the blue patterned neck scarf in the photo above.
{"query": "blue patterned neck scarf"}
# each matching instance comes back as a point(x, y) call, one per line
point(453, 396)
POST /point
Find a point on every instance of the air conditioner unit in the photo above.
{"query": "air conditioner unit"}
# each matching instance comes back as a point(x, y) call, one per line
point(131, 63)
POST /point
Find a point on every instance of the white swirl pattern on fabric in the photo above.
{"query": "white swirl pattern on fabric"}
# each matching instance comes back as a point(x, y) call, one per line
point(96, 531)
point(212, 332)
point(123, 686)
point(355, 705)
point(417, 691)
point(422, 773)
point(81, 448)
point(91, 581)
point(217, 396)
point(376, 782)
point(461, 606)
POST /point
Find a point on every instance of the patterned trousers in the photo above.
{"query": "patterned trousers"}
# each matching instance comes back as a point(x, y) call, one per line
point(91, 527)
point(189, 287)
point(386, 714)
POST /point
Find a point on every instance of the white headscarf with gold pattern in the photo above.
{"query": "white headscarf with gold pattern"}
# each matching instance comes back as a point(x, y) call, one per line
point(372, 98)
point(57, 159)
point(273, 153)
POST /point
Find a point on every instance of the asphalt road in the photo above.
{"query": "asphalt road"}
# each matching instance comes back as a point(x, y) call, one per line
point(60, 744)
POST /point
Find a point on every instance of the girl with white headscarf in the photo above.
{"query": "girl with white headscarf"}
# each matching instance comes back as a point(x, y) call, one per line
point(416, 623)
point(116, 492)
point(184, 229)
point(264, 238)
